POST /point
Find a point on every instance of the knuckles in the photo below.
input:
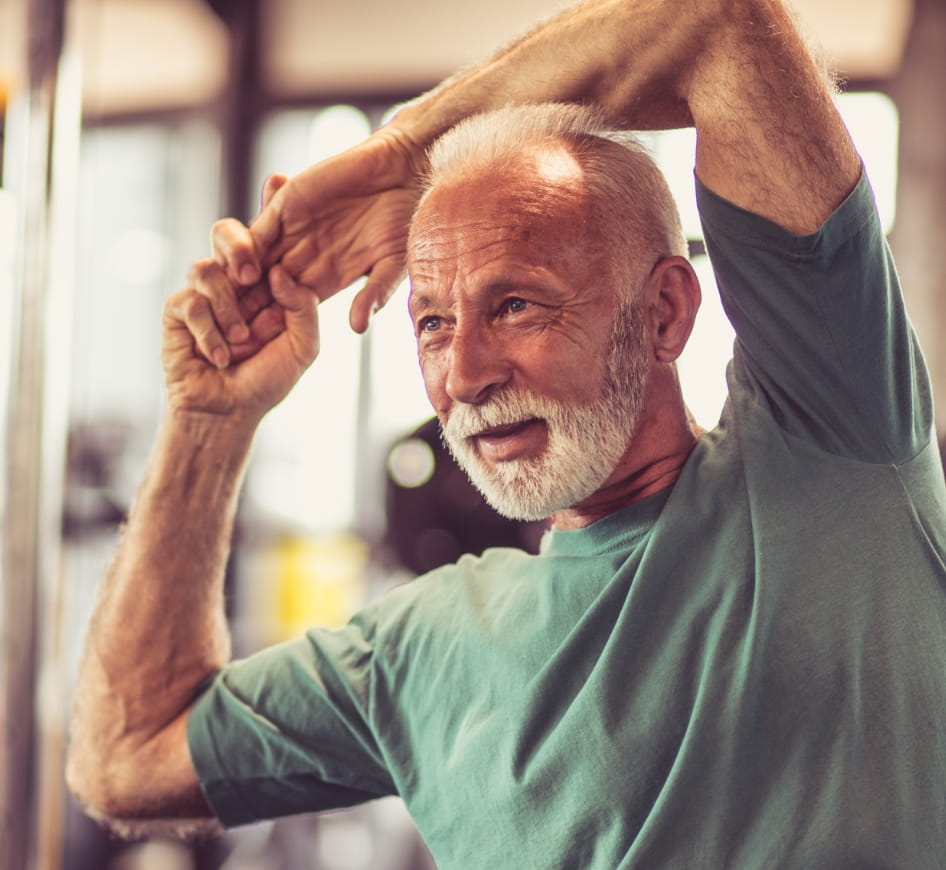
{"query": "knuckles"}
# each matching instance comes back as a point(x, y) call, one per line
point(192, 305)
point(227, 236)
point(203, 271)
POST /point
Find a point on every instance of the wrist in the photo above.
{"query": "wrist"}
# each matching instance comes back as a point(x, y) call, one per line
point(408, 141)
point(223, 434)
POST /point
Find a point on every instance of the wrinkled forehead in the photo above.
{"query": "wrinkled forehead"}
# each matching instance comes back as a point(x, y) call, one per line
point(541, 194)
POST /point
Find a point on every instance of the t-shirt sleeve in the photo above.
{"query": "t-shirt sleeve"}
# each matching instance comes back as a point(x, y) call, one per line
point(822, 334)
point(289, 730)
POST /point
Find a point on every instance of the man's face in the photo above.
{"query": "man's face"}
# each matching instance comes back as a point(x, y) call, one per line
point(514, 307)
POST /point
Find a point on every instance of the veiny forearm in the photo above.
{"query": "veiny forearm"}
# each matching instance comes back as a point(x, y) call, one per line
point(159, 625)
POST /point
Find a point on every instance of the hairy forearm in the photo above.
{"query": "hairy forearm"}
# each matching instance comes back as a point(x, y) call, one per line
point(164, 593)
point(769, 138)
point(631, 57)
point(159, 626)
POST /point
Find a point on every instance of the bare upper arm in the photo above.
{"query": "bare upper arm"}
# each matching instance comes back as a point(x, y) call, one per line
point(769, 137)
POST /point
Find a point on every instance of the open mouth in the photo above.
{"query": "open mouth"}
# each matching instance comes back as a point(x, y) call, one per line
point(504, 430)
point(509, 440)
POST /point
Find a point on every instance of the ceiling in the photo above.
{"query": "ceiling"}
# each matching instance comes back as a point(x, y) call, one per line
point(139, 55)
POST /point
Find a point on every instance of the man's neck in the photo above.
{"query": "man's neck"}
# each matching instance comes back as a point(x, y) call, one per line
point(662, 442)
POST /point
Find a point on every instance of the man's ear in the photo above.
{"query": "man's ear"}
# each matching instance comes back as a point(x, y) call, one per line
point(673, 293)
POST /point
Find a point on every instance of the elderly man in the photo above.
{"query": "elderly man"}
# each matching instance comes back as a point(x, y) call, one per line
point(730, 651)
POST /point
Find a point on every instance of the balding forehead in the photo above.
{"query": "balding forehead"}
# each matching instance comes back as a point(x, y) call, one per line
point(545, 181)
point(543, 169)
point(555, 164)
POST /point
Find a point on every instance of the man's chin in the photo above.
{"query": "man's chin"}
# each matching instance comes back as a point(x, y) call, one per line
point(523, 494)
point(519, 512)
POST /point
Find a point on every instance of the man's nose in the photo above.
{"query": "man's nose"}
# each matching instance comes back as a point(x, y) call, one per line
point(476, 365)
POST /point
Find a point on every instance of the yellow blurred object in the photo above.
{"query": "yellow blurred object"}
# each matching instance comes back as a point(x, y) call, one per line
point(6, 86)
point(316, 580)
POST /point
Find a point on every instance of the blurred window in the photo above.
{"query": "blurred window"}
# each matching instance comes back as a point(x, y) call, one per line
point(148, 194)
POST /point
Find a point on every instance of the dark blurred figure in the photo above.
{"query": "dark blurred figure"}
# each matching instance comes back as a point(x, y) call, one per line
point(434, 514)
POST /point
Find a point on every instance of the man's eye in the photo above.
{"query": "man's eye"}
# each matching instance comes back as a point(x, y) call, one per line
point(429, 324)
point(515, 305)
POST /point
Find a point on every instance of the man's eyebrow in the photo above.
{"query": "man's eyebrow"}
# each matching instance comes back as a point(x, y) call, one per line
point(420, 301)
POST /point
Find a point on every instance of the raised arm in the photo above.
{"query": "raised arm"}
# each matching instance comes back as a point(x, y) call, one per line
point(159, 627)
point(769, 138)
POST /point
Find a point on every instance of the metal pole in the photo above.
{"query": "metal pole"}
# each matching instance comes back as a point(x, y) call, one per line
point(34, 429)
point(242, 104)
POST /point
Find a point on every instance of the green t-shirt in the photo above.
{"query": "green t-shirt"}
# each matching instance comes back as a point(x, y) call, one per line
point(743, 671)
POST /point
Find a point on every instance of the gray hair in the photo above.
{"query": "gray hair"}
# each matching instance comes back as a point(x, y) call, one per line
point(636, 214)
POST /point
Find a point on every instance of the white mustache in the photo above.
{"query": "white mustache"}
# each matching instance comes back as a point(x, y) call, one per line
point(506, 409)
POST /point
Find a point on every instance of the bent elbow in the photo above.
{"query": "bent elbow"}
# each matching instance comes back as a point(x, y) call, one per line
point(95, 783)
point(139, 787)
point(112, 794)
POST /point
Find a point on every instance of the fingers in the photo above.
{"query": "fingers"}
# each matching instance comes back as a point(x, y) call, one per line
point(234, 249)
point(253, 301)
point(290, 308)
point(233, 245)
point(193, 311)
point(211, 281)
point(266, 228)
point(384, 279)
point(266, 325)
point(300, 312)
point(270, 186)
point(212, 312)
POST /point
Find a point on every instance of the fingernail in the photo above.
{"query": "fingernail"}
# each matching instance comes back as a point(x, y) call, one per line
point(248, 274)
point(220, 358)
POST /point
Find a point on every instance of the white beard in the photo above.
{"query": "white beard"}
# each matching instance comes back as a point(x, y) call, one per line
point(585, 442)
